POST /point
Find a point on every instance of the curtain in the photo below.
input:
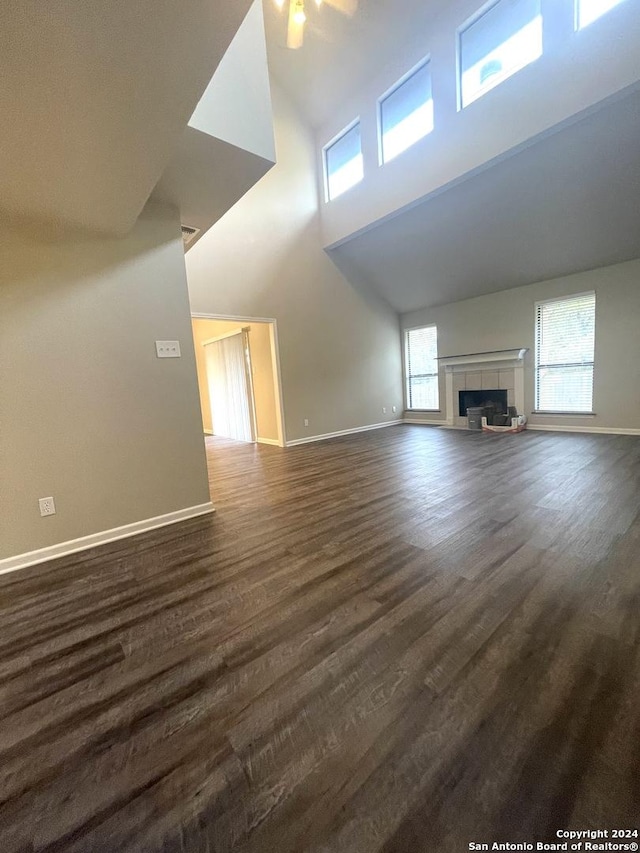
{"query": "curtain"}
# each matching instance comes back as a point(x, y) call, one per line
point(229, 389)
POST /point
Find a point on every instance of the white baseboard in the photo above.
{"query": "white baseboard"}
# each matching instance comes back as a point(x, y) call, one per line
point(208, 432)
point(342, 432)
point(272, 441)
point(72, 546)
point(543, 428)
point(423, 421)
point(596, 430)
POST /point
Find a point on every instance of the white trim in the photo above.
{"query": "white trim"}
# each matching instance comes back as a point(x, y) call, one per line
point(248, 374)
point(72, 546)
point(598, 430)
point(480, 358)
point(543, 428)
point(231, 318)
point(277, 379)
point(272, 441)
point(341, 432)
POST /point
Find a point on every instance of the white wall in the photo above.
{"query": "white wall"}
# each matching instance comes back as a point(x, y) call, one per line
point(577, 71)
point(339, 350)
point(506, 320)
point(236, 105)
point(88, 414)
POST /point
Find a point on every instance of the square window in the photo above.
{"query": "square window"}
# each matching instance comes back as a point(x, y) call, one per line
point(343, 162)
point(502, 41)
point(406, 113)
point(588, 11)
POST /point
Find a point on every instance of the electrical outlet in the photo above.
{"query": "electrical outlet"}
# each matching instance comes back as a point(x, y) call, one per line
point(306, 421)
point(384, 410)
point(47, 506)
point(394, 409)
point(168, 349)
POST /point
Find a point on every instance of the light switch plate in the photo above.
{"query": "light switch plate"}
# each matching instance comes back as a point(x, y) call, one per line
point(168, 349)
point(47, 506)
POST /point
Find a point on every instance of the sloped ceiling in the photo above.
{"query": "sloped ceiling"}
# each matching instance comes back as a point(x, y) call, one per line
point(567, 203)
point(95, 97)
point(228, 144)
point(339, 52)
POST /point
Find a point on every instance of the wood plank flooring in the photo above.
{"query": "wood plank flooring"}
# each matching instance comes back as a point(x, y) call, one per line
point(405, 640)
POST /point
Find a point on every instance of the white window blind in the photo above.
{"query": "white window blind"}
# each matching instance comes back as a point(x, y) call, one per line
point(229, 389)
point(406, 113)
point(421, 352)
point(565, 346)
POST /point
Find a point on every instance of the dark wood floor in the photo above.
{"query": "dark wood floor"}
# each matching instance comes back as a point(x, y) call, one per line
point(401, 641)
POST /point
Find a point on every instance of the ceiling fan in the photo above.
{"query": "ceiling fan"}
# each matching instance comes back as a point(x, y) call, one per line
point(298, 17)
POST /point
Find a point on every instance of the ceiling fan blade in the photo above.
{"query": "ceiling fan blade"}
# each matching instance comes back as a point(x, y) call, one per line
point(295, 30)
point(347, 7)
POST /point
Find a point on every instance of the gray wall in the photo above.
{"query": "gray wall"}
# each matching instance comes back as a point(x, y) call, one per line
point(88, 414)
point(339, 351)
point(506, 320)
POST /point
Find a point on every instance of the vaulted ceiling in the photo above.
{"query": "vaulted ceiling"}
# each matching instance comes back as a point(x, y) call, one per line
point(567, 203)
point(339, 51)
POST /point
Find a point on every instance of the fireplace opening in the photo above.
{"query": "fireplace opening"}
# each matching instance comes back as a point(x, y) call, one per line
point(494, 399)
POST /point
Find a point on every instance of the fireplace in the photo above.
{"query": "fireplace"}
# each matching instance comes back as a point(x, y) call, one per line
point(494, 399)
point(499, 369)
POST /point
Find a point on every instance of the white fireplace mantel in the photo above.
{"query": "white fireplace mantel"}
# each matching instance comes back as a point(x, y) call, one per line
point(496, 360)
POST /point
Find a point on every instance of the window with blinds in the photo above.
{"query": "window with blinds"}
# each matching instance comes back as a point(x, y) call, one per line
point(343, 162)
point(565, 346)
point(406, 113)
point(501, 41)
point(421, 352)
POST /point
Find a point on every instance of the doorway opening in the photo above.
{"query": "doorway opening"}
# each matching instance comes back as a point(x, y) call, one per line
point(239, 378)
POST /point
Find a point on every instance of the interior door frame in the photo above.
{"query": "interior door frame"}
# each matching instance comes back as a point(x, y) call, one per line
point(275, 358)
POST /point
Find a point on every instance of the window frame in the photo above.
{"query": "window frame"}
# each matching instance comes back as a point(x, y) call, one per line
point(466, 25)
point(407, 377)
point(537, 366)
point(390, 91)
point(325, 165)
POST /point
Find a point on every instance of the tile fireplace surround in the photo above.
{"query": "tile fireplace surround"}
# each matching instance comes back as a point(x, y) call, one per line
point(502, 370)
